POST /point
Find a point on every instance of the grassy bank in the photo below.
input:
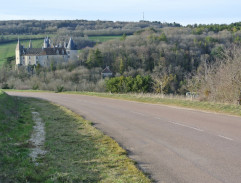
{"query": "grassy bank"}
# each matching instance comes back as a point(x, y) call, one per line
point(15, 129)
point(76, 151)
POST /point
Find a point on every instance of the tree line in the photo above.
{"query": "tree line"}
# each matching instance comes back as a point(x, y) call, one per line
point(77, 27)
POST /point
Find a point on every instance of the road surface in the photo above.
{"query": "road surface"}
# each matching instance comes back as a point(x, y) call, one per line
point(172, 144)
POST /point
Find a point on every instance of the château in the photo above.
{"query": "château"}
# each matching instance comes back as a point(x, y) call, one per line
point(46, 55)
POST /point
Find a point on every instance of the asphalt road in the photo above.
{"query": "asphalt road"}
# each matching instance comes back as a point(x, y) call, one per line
point(172, 144)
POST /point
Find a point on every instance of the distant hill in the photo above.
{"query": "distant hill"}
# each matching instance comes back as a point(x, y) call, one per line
point(77, 27)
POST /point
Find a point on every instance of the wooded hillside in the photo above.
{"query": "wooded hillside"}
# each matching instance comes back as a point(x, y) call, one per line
point(77, 27)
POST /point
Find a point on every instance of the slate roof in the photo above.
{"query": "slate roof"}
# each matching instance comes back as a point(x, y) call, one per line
point(30, 44)
point(46, 42)
point(106, 70)
point(71, 45)
point(44, 51)
point(19, 46)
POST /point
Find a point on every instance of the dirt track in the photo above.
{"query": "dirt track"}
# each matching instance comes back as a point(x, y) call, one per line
point(173, 144)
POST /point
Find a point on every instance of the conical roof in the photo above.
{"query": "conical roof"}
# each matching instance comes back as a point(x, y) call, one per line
point(18, 47)
point(71, 45)
point(30, 44)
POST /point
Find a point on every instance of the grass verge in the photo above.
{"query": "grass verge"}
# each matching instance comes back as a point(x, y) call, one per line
point(76, 151)
point(15, 129)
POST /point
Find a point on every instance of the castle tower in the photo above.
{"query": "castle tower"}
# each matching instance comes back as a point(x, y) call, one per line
point(46, 43)
point(71, 50)
point(71, 45)
point(18, 53)
point(30, 44)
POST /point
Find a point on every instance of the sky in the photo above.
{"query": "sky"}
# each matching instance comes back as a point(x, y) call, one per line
point(179, 11)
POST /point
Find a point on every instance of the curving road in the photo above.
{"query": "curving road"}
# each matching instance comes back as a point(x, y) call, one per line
point(172, 144)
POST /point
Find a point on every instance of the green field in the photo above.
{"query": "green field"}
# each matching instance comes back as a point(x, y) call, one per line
point(75, 150)
point(103, 38)
point(8, 49)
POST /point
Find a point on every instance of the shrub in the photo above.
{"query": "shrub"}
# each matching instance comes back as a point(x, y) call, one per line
point(5, 86)
point(139, 84)
point(59, 88)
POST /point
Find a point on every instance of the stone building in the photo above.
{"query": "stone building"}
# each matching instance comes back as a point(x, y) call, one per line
point(46, 55)
point(106, 72)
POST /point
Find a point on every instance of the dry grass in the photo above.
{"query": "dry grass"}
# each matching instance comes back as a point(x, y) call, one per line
point(79, 152)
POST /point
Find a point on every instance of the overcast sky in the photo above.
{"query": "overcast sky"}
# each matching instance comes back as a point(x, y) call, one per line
point(180, 11)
